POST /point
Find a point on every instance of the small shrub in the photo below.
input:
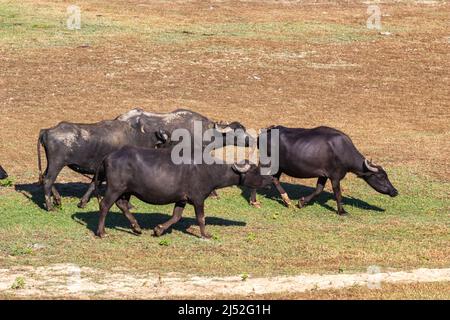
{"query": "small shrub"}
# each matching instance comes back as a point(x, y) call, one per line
point(164, 242)
point(19, 283)
point(215, 237)
point(251, 237)
point(8, 182)
point(20, 251)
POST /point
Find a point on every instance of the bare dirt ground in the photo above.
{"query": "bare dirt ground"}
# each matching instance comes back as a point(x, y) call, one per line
point(70, 281)
point(390, 94)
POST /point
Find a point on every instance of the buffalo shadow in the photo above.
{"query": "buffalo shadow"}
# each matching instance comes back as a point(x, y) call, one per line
point(147, 221)
point(35, 191)
point(296, 191)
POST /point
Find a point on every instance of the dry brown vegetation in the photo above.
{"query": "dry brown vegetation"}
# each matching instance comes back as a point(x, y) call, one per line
point(390, 94)
point(259, 62)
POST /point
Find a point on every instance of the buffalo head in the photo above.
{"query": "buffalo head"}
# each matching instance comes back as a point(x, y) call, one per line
point(250, 175)
point(234, 134)
point(378, 179)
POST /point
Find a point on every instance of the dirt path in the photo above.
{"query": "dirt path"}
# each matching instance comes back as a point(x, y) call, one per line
point(66, 280)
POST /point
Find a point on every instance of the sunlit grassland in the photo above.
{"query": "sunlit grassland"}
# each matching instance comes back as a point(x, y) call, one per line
point(409, 231)
point(32, 25)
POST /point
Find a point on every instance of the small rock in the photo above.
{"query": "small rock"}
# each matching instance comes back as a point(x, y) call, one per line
point(38, 246)
point(386, 33)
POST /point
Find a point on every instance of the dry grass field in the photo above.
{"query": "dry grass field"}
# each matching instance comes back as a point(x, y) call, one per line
point(299, 64)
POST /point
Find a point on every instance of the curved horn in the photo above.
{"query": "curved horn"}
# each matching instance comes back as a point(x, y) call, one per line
point(369, 166)
point(222, 130)
point(242, 169)
point(141, 125)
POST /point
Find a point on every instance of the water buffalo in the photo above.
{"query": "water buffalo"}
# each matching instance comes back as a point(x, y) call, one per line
point(82, 147)
point(325, 153)
point(232, 133)
point(151, 175)
point(3, 174)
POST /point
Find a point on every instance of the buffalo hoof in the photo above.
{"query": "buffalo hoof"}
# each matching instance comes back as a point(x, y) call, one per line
point(158, 231)
point(100, 234)
point(342, 213)
point(286, 200)
point(81, 205)
point(57, 202)
point(206, 236)
point(136, 229)
point(255, 204)
point(301, 203)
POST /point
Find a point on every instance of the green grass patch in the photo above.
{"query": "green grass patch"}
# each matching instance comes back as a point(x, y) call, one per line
point(276, 31)
point(409, 231)
point(19, 283)
point(25, 25)
point(28, 25)
point(19, 251)
point(8, 182)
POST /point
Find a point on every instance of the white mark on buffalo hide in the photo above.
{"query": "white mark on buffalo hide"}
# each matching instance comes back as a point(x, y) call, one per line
point(85, 134)
point(165, 117)
point(67, 138)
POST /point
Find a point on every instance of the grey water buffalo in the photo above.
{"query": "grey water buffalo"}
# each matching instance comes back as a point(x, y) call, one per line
point(3, 174)
point(232, 133)
point(151, 175)
point(82, 147)
point(323, 153)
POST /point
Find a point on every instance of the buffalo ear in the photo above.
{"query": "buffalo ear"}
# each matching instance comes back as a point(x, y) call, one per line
point(162, 135)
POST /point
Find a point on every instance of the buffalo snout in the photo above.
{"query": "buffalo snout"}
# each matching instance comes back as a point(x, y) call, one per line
point(394, 193)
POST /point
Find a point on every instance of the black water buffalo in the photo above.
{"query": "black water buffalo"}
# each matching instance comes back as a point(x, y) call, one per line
point(82, 147)
point(325, 153)
point(152, 176)
point(3, 174)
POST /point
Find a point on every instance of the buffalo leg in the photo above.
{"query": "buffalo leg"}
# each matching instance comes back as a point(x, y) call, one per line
point(176, 216)
point(284, 195)
point(49, 188)
point(123, 205)
point(56, 196)
point(319, 188)
point(253, 202)
point(338, 195)
point(200, 214)
point(105, 205)
point(87, 196)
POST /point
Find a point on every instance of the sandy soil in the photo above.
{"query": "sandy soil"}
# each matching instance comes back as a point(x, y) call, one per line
point(71, 281)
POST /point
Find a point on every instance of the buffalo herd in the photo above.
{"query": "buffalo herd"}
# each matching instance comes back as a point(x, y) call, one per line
point(133, 155)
